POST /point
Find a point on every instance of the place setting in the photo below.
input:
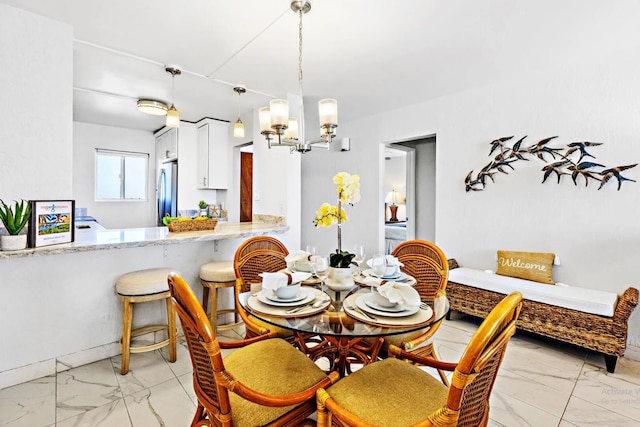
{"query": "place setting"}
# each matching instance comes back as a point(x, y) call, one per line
point(303, 261)
point(283, 295)
point(384, 268)
point(391, 304)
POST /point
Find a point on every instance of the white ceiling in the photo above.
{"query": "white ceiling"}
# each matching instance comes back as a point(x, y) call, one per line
point(371, 55)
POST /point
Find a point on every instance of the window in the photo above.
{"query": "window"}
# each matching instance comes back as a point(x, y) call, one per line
point(121, 175)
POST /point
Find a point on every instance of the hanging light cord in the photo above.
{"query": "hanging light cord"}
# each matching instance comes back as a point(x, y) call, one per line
point(301, 124)
point(173, 89)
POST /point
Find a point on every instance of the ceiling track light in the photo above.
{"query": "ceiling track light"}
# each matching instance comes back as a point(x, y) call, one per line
point(173, 116)
point(278, 128)
point(238, 127)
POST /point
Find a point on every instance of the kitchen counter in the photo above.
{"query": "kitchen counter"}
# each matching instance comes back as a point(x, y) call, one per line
point(59, 305)
point(94, 240)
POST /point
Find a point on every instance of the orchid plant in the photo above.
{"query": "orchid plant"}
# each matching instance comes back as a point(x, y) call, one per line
point(348, 189)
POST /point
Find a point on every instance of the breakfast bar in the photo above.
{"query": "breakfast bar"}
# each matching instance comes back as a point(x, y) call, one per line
point(59, 305)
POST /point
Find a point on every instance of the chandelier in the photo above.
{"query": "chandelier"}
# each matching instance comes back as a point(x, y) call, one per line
point(279, 129)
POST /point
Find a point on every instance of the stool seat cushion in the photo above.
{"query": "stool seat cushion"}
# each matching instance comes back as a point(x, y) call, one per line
point(144, 282)
point(218, 271)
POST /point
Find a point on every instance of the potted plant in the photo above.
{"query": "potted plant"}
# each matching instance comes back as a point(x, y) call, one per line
point(348, 189)
point(14, 219)
point(204, 207)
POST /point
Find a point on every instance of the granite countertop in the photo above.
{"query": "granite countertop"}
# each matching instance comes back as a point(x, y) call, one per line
point(93, 240)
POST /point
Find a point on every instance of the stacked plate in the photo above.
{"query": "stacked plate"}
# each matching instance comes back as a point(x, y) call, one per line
point(399, 276)
point(269, 297)
point(367, 303)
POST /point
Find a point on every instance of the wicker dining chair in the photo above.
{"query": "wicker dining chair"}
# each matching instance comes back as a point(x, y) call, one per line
point(393, 393)
point(264, 382)
point(428, 265)
point(257, 255)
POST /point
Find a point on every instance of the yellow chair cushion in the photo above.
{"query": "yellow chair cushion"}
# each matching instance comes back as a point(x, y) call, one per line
point(390, 393)
point(274, 367)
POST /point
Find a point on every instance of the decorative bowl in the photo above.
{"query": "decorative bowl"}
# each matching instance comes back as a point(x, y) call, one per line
point(305, 266)
point(382, 301)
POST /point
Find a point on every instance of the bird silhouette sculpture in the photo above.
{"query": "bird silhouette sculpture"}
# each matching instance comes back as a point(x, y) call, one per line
point(569, 163)
point(615, 172)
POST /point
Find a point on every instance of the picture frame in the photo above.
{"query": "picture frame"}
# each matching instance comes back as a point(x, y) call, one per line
point(52, 222)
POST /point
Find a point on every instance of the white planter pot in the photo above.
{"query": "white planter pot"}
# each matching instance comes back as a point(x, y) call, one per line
point(13, 243)
point(340, 279)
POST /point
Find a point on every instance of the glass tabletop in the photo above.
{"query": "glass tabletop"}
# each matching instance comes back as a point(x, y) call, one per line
point(325, 320)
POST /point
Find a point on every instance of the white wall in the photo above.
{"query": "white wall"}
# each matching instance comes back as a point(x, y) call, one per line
point(118, 214)
point(596, 233)
point(36, 54)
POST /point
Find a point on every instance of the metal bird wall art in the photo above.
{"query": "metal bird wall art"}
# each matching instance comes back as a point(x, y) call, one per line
point(566, 161)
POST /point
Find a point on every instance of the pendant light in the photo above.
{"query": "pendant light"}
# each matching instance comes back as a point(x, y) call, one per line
point(173, 116)
point(278, 128)
point(238, 127)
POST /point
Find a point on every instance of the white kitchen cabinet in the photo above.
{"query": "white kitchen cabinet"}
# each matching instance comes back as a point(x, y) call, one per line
point(212, 161)
point(167, 145)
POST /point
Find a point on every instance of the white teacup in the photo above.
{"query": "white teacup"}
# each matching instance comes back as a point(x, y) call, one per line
point(391, 270)
point(289, 291)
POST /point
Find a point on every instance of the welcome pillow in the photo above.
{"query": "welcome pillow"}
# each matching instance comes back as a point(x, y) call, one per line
point(534, 266)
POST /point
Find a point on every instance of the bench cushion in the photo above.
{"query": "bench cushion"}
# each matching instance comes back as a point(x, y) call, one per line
point(586, 300)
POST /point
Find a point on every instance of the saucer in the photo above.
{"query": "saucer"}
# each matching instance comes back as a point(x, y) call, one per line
point(307, 296)
point(275, 298)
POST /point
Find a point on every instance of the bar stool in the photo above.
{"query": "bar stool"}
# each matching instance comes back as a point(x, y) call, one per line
point(213, 276)
point(143, 286)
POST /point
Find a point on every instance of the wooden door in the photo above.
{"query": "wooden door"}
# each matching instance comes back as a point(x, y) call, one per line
point(246, 187)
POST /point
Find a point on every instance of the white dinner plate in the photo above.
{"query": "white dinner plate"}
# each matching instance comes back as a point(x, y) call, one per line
point(400, 276)
point(307, 293)
point(275, 298)
point(361, 302)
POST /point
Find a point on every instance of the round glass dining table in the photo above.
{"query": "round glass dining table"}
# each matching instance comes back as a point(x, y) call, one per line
point(346, 334)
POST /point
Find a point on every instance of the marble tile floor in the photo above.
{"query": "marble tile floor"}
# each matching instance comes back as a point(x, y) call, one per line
point(541, 383)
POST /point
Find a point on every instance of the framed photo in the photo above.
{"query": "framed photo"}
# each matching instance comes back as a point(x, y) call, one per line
point(51, 222)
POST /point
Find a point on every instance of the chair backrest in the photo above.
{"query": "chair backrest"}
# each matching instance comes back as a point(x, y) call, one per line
point(204, 348)
point(426, 263)
point(475, 374)
point(257, 255)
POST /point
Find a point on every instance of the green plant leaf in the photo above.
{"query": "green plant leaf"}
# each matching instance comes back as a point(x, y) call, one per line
point(341, 259)
point(15, 218)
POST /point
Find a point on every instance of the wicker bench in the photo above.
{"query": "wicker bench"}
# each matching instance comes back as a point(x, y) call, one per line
point(606, 335)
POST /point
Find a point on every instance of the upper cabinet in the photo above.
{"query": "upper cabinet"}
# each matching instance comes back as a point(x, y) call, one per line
point(211, 167)
point(167, 145)
point(212, 159)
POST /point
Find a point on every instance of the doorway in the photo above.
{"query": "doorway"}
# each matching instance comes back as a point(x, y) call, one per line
point(420, 179)
point(246, 186)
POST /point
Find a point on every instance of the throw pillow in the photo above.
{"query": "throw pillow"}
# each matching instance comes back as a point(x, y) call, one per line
point(534, 266)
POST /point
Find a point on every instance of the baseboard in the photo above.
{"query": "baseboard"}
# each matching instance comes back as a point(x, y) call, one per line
point(48, 367)
point(632, 353)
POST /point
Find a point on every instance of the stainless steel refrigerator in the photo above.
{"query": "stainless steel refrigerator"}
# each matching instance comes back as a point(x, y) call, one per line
point(167, 190)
